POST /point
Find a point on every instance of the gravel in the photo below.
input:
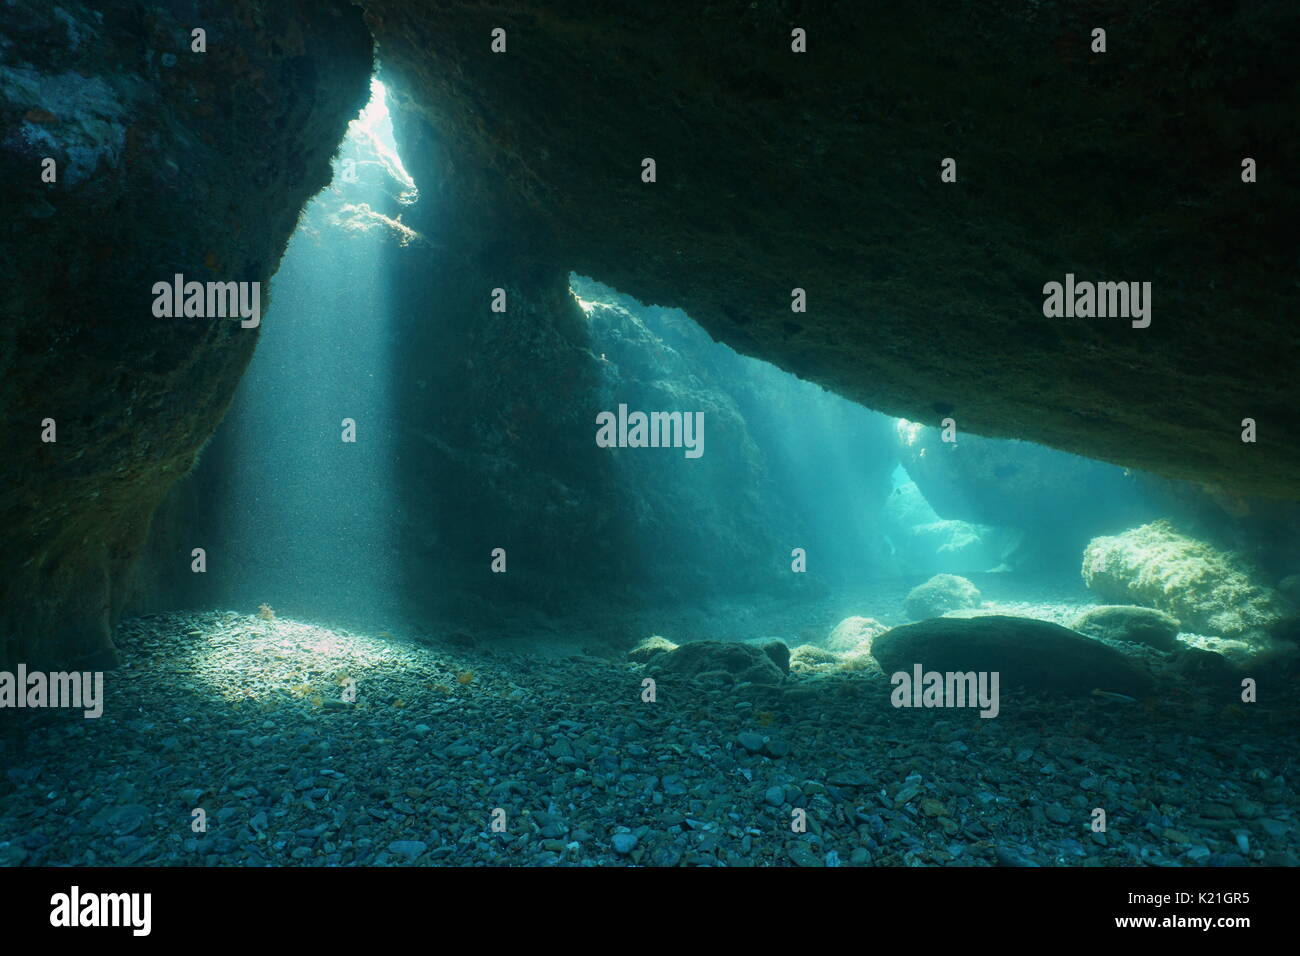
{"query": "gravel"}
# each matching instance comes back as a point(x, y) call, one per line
point(245, 729)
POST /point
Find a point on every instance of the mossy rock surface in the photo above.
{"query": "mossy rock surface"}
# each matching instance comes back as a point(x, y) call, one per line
point(1211, 591)
point(943, 592)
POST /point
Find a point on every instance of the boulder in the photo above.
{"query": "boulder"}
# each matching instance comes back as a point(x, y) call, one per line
point(943, 592)
point(719, 659)
point(1209, 590)
point(778, 652)
point(1025, 652)
point(1125, 622)
point(1206, 667)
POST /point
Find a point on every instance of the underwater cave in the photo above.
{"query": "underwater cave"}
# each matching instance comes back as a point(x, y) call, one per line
point(448, 434)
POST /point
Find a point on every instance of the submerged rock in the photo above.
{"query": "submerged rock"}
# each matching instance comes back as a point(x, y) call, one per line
point(852, 633)
point(943, 592)
point(706, 659)
point(1125, 622)
point(778, 652)
point(1205, 667)
point(807, 657)
point(1208, 590)
point(1024, 651)
point(651, 647)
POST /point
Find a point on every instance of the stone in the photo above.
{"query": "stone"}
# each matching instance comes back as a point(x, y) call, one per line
point(933, 808)
point(810, 657)
point(1025, 652)
point(744, 662)
point(409, 850)
point(943, 592)
point(848, 777)
point(623, 843)
point(649, 647)
point(1005, 856)
point(778, 652)
point(776, 748)
point(1057, 813)
point(1127, 622)
point(1205, 667)
point(12, 855)
point(1209, 590)
point(803, 855)
point(751, 741)
point(853, 634)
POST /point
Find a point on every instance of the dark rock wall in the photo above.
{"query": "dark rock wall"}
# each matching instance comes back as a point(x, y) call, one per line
point(775, 171)
point(168, 161)
point(821, 171)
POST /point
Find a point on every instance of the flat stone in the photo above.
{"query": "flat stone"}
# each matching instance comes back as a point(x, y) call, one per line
point(848, 778)
point(409, 850)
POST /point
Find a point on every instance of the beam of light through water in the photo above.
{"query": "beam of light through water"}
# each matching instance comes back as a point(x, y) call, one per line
point(310, 520)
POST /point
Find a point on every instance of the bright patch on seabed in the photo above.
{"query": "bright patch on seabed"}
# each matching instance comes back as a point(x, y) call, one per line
point(245, 658)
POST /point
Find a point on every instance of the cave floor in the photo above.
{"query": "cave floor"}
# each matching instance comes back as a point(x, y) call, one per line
point(248, 720)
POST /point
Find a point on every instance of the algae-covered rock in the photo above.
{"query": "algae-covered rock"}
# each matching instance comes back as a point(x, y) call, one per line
point(1126, 622)
point(810, 657)
point(709, 659)
point(778, 652)
point(1210, 591)
point(650, 647)
point(854, 632)
point(1024, 651)
point(943, 592)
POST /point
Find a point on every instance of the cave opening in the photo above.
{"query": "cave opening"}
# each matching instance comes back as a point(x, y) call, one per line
point(490, 562)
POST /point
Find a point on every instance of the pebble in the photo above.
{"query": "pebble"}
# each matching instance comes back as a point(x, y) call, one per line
point(284, 779)
point(623, 843)
point(776, 748)
point(408, 849)
point(802, 855)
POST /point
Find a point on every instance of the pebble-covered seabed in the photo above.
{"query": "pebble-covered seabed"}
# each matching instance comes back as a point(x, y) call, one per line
point(244, 718)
